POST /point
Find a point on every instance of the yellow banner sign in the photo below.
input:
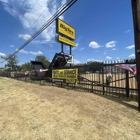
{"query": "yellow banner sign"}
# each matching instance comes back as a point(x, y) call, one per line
point(66, 41)
point(65, 74)
point(65, 29)
point(71, 81)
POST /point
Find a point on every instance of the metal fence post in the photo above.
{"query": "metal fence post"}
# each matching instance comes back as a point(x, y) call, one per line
point(127, 81)
point(103, 78)
point(92, 79)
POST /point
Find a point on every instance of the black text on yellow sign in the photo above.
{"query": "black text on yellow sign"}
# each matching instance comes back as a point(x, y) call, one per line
point(65, 29)
point(65, 74)
point(66, 41)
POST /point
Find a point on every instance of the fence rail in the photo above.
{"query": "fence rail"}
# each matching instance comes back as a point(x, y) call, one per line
point(93, 78)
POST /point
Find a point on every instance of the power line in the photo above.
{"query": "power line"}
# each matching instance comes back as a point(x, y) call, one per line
point(35, 19)
point(62, 9)
point(39, 16)
point(26, 17)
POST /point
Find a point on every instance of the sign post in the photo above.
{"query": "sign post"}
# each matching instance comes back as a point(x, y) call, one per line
point(66, 36)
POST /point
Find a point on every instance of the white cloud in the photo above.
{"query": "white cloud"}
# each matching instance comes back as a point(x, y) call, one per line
point(77, 44)
point(23, 51)
point(113, 49)
point(76, 61)
point(5, 1)
point(63, 2)
point(92, 59)
point(119, 61)
point(25, 37)
point(10, 8)
point(108, 57)
point(12, 46)
point(94, 45)
point(36, 53)
point(82, 49)
point(43, 41)
point(127, 31)
point(2, 54)
point(34, 14)
point(130, 47)
point(131, 55)
point(68, 47)
point(74, 48)
point(117, 58)
point(31, 52)
point(111, 44)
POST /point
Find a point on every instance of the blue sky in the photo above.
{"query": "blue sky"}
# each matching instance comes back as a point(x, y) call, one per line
point(104, 29)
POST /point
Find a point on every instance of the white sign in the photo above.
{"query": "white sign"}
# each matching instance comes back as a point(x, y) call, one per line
point(70, 59)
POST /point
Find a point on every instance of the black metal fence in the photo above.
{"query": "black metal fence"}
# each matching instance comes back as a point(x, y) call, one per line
point(98, 78)
point(106, 79)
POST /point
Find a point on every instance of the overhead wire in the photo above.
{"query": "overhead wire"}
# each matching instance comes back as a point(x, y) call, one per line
point(24, 17)
point(27, 15)
point(37, 17)
point(61, 10)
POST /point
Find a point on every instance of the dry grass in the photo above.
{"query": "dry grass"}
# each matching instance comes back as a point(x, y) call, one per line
point(33, 112)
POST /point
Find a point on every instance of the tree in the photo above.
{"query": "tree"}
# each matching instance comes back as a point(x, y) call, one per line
point(43, 59)
point(12, 62)
point(132, 60)
point(94, 66)
point(26, 67)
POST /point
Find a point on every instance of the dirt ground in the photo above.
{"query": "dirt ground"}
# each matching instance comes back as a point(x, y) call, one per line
point(33, 112)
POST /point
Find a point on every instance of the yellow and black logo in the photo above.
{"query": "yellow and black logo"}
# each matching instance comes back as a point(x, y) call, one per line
point(65, 29)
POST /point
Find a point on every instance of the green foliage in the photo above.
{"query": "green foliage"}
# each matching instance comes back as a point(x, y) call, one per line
point(26, 67)
point(132, 60)
point(94, 66)
point(43, 59)
point(91, 66)
point(12, 62)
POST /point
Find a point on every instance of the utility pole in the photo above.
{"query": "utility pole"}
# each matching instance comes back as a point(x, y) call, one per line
point(136, 22)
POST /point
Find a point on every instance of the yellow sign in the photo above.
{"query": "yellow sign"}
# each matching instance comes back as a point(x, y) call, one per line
point(65, 73)
point(65, 29)
point(66, 41)
point(12, 74)
point(71, 81)
point(70, 75)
